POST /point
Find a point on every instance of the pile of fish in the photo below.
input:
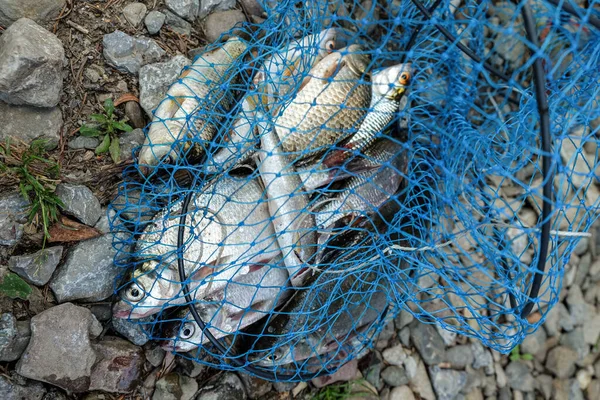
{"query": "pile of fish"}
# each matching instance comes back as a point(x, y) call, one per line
point(288, 192)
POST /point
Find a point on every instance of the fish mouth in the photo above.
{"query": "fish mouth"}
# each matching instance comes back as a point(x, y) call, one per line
point(131, 313)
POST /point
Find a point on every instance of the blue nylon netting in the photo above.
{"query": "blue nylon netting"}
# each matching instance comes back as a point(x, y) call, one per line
point(302, 240)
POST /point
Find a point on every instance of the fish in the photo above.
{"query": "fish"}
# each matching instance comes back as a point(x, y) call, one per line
point(287, 203)
point(382, 151)
point(242, 302)
point(330, 104)
point(388, 87)
point(280, 73)
point(230, 231)
point(327, 311)
point(365, 192)
point(197, 88)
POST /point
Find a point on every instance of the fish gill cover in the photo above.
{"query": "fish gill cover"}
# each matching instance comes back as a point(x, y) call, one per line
point(342, 161)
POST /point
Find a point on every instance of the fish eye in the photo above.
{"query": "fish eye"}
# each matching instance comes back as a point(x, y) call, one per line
point(134, 293)
point(187, 331)
point(273, 357)
point(169, 160)
point(404, 78)
point(330, 45)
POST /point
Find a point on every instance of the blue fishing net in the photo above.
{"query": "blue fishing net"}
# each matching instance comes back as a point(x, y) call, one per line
point(441, 213)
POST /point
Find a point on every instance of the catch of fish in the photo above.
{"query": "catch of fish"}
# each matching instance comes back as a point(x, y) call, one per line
point(307, 158)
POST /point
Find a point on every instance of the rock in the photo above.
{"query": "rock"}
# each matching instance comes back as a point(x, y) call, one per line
point(474, 394)
point(92, 74)
point(591, 330)
point(593, 390)
point(60, 352)
point(55, 394)
point(544, 385)
point(447, 336)
point(401, 393)
point(428, 342)
point(394, 355)
point(135, 115)
point(372, 373)
point(178, 24)
point(134, 13)
point(186, 9)
point(420, 383)
point(394, 376)
point(31, 61)
point(501, 378)
point(189, 367)
point(38, 10)
point(535, 343)
point(11, 390)
point(447, 383)
point(29, 123)
point(460, 356)
point(482, 357)
point(346, 373)
point(102, 312)
point(579, 309)
point(403, 319)
point(14, 337)
point(561, 361)
point(221, 22)
point(154, 21)
point(13, 216)
point(129, 54)
point(129, 141)
point(133, 330)
point(209, 6)
point(119, 366)
point(564, 389)
point(575, 341)
point(584, 378)
point(558, 318)
point(88, 273)
point(519, 377)
point(255, 387)
point(82, 142)
point(36, 268)
point(80, 202)
point(155, 80)
point(155, 355)
point(175, 387)
point(226, 386)
point(252, 7)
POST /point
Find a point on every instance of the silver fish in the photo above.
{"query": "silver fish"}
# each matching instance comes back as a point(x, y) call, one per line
point(317, 318)
point(388, 87)
point(228, 231)
point(243, 301)
point(192, 92)
point(288, 203)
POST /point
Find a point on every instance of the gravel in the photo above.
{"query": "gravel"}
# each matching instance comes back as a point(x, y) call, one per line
point(460, 356)
point(60, 351)
point(519, 377)
point(129, 141)
point(535, 342)
point(447, 383)
point(209, 6)
point(575, 341)
point(226, 386)
point(175, 387)
point(82, 142)
point(14, 337)
point(13, 216)
point(31, 62)
point(154, 21)
point(37, 268)
point(178, 24)
point(561, 361)
point(221, 22)
point(428, 342)
point(394, 376)
point(28, 123)
point(129, 54)
point(80, 202)
point(186, 9)
point(401, 393)
point(134, 13)
point(11, 389)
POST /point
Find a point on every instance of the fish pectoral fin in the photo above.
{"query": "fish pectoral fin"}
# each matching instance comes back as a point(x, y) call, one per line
point(304, 82)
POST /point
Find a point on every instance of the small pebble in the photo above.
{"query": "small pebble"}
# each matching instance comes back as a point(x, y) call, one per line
point(154, 21)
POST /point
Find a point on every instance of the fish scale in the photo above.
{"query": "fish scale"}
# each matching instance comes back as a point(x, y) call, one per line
point(327, 108)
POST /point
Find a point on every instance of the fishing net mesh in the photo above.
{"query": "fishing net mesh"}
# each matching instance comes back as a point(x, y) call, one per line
point(454, 237)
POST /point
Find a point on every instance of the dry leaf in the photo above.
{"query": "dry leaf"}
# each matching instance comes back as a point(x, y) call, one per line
point(67, 230)
point(125, 98)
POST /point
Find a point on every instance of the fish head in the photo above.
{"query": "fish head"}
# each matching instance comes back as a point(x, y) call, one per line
point(184, 334)
point(159, 150)
point(332, 39)
point(392, 82)
point(235, 46)
point(147, 294)
point(282, 354)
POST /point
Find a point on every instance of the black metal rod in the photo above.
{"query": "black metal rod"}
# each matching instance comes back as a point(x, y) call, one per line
point(576, 12)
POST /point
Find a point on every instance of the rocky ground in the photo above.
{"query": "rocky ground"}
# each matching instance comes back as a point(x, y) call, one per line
point(59, 61)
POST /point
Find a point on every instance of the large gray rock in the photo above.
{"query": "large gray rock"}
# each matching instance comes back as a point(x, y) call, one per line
point(155, 80)
point(31, 61)
point(210, 6)
point(561, 362)
point(177, 24)
point(28, 123)
point(255, 387)
point(37, 10)
point(133, 330)
point(428, 342)
point(13, 215)
point(175, 387)
point(220, 22)
point(60, 352)
point(447, 383)
point(12, 389)
point(519, 377)
point(80, 202)
point(36, 268)
point(186, 9)
point(129, 54)
point(119, 367)
point(154, 21)
point(134, 13)
point(88, 273)
point(226, 386)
